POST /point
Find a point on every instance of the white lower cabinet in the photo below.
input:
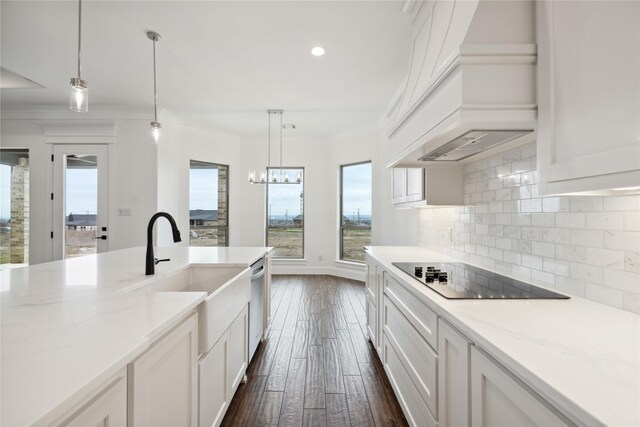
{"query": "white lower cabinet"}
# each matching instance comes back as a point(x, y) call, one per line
point(499, 399)
point(453, 377)
point(108, 408)
point(163, 381)
point(221, 371)
point(414, 408)
point(372, 321)
point(417, 357)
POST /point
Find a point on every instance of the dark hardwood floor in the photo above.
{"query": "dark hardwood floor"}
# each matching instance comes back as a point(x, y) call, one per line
point(316, 367)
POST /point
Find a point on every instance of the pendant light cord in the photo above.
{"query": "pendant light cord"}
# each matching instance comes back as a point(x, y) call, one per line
point(269, 146)
point(280, 144)
point(155, 92)
point(79, 34)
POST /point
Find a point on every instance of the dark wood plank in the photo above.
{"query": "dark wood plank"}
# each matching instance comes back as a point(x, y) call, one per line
point(291, 413)
point(315, 418)
point(280, 366)
point(269, 410)
point(337, 410)
point(328, 329)
point(348, 358)
point(385, 408)
point(338, 317)
point(300, 340)
point(332, 368)
point(263, 365)
point(314, 386)
point(315, 329)
point(243, 409)
point(360, 343)
point(359, 411)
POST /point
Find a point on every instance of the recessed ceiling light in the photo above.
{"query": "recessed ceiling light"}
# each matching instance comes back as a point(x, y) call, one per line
point(317, 51)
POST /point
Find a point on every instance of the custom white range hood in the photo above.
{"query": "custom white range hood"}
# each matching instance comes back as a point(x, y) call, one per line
point(471, 84)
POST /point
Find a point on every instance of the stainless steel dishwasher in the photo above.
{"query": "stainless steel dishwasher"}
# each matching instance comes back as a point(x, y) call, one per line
point(256, 306)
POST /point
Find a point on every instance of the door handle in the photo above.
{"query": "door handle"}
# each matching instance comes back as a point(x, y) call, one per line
point(103, 237)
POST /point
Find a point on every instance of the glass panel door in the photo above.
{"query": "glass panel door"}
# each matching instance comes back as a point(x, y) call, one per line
point(80, 200)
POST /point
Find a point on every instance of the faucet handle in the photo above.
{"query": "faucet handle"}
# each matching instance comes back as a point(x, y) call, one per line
point(157, 261)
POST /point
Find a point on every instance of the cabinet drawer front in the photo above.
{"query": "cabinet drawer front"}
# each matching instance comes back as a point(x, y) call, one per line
point(421, 317)
point(109, 408)
point(418, 359)
point(414, 408)
point(498, 398)
point(372, 320)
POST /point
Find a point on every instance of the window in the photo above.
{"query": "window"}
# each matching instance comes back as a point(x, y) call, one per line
point(14, 206)
point(355, 210)
point(208, 204)
point(285, 215)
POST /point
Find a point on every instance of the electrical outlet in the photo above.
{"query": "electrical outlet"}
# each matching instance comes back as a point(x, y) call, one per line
point(124, 212)
point(450, 235)
point(319, 257)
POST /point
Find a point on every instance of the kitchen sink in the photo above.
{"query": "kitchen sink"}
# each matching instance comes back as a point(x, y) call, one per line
point(228, 292)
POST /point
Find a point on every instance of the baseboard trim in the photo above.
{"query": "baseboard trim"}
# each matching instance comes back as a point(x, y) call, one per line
point(347, 273)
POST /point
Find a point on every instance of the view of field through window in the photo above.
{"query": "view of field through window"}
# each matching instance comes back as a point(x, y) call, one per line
point(355, 218)
point(285, 215)
point(208, 200)
point(81, 205)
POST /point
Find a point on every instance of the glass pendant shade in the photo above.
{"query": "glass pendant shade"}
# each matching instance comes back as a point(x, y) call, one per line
point(79, 97)
point(155, 131)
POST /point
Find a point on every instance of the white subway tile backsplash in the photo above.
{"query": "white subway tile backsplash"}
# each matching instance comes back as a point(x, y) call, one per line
point(605, 220)
point(622, 203)
point(632, 221)
point(622, 240)
point(632, 262)
point(570, 220)
point(571, 253)
point(592, 238)
point(585, 246)
point(543, 220)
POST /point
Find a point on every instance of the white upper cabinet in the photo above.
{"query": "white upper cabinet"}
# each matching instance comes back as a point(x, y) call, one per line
point(588, 95)
point(437, 185)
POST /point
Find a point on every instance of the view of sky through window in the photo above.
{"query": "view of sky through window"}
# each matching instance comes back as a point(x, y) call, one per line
point(203, 188)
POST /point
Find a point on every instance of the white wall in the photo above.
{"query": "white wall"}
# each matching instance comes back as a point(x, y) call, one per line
point(582, 245)
point(132, 178)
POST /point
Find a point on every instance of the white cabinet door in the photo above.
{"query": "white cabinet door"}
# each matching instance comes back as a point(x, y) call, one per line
point(372, 283)
point(408, 185)
point(163, 381)
point(380, 274)
point(108, 408)
point(588, 95)
point(372, 321)
point(499, 399)
point(453, 377)
point(238, 350)
point(221, 371)
point(214, 384)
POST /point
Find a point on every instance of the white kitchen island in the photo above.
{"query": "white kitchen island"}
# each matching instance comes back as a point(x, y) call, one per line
point(69, 327)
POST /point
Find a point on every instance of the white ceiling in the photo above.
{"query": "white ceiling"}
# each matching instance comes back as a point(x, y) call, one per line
point(221, 64)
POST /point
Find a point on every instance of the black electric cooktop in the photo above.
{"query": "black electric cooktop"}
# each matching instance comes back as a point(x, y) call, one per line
point(457, 280)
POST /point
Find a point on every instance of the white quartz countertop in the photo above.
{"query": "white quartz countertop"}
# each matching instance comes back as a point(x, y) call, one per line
point(66, 328)
point(581, 356)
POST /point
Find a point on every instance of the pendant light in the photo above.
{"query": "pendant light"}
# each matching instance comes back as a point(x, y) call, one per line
point(275, 178)
point(79, 99)
point(155, 124)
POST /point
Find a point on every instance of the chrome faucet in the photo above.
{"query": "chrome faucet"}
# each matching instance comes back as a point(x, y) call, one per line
point(151, 262)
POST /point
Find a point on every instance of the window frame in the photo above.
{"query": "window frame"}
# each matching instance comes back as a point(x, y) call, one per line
point(217, 165)
point(341, 212)
point(266, 216)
